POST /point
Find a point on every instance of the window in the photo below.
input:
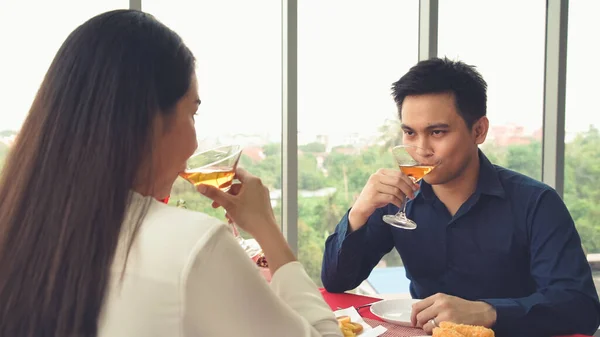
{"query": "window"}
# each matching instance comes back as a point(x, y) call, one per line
point(505, 41)
point(349, 54)
point(237, 45)
point(582, 148)
point(30, 39)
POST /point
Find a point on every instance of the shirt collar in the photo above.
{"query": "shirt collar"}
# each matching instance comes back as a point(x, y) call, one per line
point(488, 181)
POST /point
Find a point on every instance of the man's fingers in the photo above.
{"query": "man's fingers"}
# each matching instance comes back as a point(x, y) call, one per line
point(420, 306)
point(390, 185)
point(400, 181)
point(427, 315)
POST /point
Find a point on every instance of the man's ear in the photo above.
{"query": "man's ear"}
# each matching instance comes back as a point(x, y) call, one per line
point(479, 130)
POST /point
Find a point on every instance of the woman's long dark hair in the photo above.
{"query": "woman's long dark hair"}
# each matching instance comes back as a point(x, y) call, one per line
point(66, 184)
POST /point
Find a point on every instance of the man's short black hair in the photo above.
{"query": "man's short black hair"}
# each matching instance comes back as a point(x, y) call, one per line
point(438, 75)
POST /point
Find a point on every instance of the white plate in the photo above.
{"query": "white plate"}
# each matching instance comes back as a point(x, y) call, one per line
point(396, 311)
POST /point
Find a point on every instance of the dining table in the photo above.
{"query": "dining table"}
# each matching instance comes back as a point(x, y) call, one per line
point(344, 300)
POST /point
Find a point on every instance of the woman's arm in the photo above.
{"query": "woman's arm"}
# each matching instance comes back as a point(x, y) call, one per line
point(224, 295)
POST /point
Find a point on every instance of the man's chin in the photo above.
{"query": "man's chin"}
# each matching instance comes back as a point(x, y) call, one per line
point(430, 180)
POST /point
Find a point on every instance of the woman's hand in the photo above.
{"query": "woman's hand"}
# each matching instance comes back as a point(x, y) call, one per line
point(247, 204)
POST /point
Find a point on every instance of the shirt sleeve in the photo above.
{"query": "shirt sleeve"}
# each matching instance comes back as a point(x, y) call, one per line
point(226, 296)
point(349, 258)
point(566, 301)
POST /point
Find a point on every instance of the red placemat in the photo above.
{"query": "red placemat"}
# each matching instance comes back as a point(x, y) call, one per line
point(345, 300)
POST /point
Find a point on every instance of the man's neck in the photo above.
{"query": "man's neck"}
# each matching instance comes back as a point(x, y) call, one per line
point(454, 193)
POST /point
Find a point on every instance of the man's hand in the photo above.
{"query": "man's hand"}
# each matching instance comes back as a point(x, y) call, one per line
point(442, 307)
point(384, 187)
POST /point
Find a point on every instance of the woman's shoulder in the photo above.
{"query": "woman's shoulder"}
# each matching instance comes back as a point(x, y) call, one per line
point(159, 214)
point(178, 225)
point(167, 236)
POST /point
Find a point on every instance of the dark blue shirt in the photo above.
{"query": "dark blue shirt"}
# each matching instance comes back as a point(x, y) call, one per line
point(512, 244)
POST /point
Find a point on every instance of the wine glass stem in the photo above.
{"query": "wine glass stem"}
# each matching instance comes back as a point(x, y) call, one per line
point(402, 213)
point(237, 235)
point(234, 229)
point(250, 250)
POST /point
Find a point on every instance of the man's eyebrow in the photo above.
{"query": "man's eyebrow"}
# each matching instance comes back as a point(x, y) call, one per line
point(429, 127)
point(438, 126)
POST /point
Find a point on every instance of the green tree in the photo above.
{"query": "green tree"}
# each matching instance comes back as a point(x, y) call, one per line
point(523, 158)
point(272, 149)
point(309, 176)
point(526, 159)
point(390, 133)
point(582, 182)
point(314, 147)
point(268, 169)
point(495, 153)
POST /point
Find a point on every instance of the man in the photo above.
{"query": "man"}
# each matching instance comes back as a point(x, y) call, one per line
point(492, 247)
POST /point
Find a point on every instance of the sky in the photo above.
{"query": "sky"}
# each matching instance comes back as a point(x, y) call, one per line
point(349, 53)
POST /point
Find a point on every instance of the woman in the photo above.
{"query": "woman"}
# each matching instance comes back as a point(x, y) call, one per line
point(85, 248)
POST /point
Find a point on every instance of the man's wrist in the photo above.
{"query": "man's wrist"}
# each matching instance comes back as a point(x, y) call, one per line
point(489, 315)
point(356, 219)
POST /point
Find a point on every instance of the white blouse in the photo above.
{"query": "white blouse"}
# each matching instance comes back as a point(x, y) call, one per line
point(187, 276)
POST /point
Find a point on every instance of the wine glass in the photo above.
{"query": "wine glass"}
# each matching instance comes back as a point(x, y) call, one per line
point(216, 167)
point(414, 162)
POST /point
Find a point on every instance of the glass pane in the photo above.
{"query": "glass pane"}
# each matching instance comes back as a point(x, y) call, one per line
point(31, 35)
point(238, 56)
point(349, 54)
point(505, 40)
point(582, 152)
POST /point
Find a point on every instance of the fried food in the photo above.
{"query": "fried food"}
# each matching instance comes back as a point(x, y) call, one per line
point(349, 328)
point(444, 332)
point(343, 319)
point(463, 330)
